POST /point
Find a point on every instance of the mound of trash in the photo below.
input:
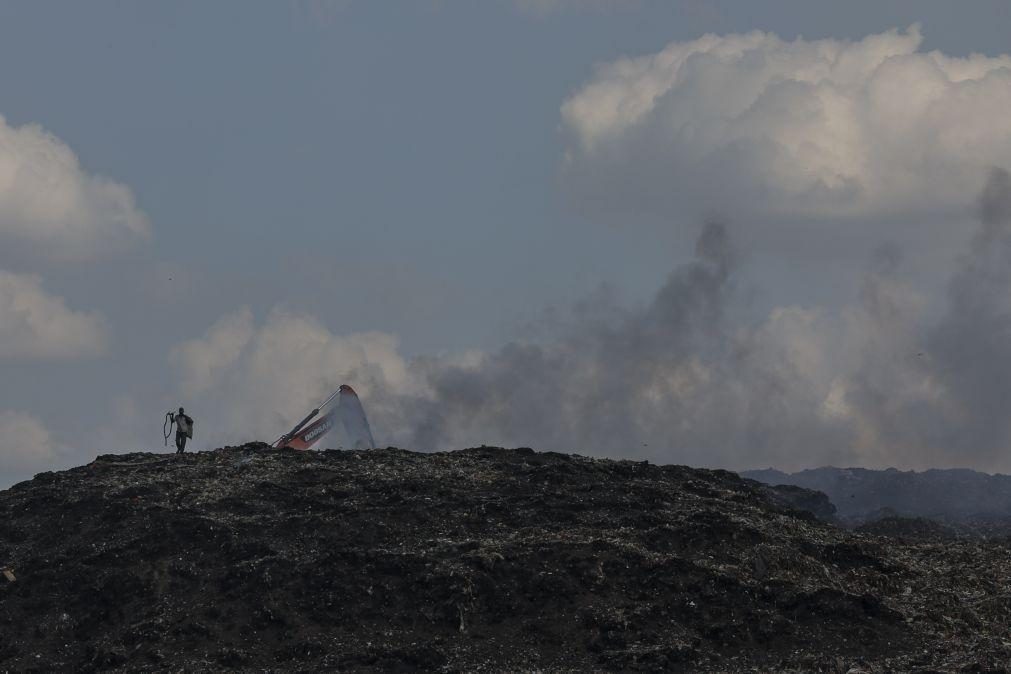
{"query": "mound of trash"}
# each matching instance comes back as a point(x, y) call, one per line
point(488, 559)
point(967, 500)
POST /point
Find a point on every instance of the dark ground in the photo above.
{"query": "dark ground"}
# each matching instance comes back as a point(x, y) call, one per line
point(479, 560)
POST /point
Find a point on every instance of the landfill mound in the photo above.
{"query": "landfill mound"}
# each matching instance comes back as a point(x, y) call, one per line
point(966, 500)
point(248, 559)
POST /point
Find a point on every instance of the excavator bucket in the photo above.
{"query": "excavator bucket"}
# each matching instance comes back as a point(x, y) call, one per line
point(347, 410)
point(356, 425)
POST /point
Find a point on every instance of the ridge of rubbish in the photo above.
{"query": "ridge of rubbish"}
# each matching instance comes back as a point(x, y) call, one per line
point(486, 559)
point(970, 503)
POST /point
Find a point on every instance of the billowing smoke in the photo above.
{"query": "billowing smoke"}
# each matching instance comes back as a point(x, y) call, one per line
point(677, 380)
point(925, 393)
point(690, 377)
point(971, 347)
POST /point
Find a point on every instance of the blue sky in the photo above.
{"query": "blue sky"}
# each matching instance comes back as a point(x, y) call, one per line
point(389, 167)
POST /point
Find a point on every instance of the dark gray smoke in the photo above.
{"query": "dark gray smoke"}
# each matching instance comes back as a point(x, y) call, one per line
point(971, 347)
point(938, 395)
point(677, 380)
point(686, 379)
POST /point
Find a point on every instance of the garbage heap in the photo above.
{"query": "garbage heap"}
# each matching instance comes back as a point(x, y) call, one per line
point(247, 558)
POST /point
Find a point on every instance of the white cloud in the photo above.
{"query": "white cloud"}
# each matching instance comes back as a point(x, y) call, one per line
point(37, 325)
point(203, 361)
point(51, 207)
point(751, 125)
point(25, 446)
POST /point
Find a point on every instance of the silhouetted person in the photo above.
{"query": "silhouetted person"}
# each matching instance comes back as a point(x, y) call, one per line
point(184, 429)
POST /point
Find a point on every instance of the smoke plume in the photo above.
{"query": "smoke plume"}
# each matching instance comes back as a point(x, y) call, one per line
point(690, 377)
point(678, 380)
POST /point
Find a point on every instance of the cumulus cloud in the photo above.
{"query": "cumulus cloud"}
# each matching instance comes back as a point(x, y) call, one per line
point(203, 361)
point(25, 446)
point(756, 127)
point(37, 325)
point(50, 207)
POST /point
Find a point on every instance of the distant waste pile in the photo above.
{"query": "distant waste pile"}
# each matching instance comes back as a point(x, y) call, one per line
point(967, 501)
point(251, 559)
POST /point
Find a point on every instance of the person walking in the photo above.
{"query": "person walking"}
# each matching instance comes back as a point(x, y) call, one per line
point(184, 429)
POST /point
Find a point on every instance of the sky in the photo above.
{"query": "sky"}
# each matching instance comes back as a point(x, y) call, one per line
point(725, 234)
